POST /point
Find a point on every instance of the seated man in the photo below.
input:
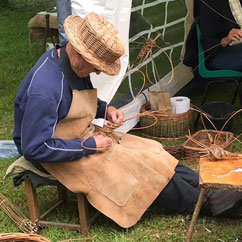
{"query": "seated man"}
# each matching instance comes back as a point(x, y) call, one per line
point(121, 174)
point(221, 33)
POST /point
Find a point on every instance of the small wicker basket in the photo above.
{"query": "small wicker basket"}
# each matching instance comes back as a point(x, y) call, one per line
point(207, 138)
point(168, 126)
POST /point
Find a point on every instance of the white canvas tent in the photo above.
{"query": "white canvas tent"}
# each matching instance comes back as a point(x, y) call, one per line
point(174, 16)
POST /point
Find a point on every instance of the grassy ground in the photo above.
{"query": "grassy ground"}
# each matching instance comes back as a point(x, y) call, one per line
point(17, 57)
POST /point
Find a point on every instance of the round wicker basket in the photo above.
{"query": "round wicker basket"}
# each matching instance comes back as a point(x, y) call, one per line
point(22, 237)
point(168, 126)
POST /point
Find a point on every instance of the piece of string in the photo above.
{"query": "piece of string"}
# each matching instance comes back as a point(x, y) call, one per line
point(2, 201)
point(218, 13)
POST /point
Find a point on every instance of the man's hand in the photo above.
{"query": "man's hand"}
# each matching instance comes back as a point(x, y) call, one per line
point(115, 116)
point(234, 34)
point(102, 142)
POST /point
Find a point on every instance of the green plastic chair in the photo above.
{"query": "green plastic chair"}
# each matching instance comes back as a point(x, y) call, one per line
point(216, 76)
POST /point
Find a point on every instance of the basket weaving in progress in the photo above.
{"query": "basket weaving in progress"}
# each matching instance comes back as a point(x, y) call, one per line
point(194, 145)
point(16, 216)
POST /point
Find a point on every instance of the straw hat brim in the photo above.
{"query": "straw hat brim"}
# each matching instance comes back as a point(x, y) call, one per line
point(73, 33)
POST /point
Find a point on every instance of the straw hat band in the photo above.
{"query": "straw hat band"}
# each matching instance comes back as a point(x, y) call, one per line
point(96, 46)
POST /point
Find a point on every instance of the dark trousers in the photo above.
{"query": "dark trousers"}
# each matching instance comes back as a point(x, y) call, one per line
point(229, 58)
point(181, 193)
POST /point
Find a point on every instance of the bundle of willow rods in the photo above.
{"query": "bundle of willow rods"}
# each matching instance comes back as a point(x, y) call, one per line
point(22, 237)
point(18, 218)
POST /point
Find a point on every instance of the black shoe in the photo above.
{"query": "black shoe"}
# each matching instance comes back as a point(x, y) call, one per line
point(225, 203)
point(235, 212)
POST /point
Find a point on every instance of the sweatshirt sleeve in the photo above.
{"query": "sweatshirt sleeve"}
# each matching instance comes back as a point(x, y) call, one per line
point(37, 129)
point(101, 108)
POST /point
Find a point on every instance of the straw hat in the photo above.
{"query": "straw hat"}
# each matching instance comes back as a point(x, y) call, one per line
point(97, 40)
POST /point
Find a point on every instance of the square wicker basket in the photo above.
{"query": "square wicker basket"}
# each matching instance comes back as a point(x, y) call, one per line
point(207, 138)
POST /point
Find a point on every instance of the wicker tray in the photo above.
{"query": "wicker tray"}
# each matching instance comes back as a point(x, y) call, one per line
point(192, 149)
point(168, 126)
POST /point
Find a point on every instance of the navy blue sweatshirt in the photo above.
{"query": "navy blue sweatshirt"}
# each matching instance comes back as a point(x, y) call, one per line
point(43, 99)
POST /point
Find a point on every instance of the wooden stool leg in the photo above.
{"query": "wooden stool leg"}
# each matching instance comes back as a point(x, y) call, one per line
point(32, 201)
point(195, 214)
point(62, 193)
point(83, 213)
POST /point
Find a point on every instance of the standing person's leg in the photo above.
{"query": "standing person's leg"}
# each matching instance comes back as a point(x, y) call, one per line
point(181, 193)
point(63, 11)
point(229, 58)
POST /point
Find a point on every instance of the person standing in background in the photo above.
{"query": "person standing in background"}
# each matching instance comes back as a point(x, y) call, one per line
point(63, 11)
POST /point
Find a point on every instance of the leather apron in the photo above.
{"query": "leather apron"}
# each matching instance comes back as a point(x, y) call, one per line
point(121, 182)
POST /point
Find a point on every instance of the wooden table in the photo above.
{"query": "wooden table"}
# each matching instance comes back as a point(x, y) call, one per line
point(223, 174)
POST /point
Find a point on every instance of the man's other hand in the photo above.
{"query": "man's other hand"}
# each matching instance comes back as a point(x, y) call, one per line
point(102, 142)
point(115, 116)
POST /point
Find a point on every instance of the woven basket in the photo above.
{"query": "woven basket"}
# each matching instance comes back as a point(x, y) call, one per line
point(222, 139)
point(176, 151)
point(168, 126)
point(22, 237)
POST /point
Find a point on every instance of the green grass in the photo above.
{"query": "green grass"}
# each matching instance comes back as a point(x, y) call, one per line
point(16, 58)
point(155, 225)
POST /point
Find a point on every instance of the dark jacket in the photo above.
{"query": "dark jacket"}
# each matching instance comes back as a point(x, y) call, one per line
point(215, 20)
point(215, 25)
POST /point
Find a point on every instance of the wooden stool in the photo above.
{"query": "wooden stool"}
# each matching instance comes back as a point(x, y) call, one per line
point(224, 174)
point(35, 216)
